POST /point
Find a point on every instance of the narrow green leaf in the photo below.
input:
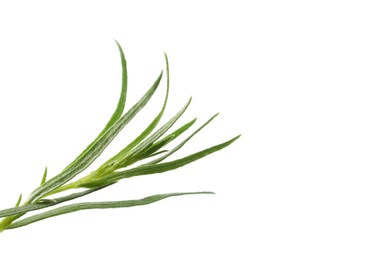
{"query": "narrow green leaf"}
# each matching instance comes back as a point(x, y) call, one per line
point(157, 146)
point(122, 100)
point(19, 200)
point(119, 109)
point(182, 143)
point(167, 139)
point(156, 168)
point(172, 136)
point(150, 140)
point(133, 154)
point(146, 132)
point(44, 177)
point(95, 150)
point(96, 205)
point(44, 203)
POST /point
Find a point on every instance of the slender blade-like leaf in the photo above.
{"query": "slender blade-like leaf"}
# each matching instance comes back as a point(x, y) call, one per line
point(44, 177)
point(122, 99)
point(19, 200)
point(97, 205)
point(133, 154)
point(119, 109)
point(167, 139)
point(172, 136)
point(96, 149)
point(146, 132)
point(156, 168)
point(182, 143)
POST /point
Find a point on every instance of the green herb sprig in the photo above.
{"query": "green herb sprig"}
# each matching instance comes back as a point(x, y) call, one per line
point(148, 145)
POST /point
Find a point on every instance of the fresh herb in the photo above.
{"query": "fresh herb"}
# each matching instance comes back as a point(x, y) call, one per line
point(147, 145)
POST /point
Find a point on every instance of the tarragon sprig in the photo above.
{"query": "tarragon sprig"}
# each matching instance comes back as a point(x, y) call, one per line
point(148, 146)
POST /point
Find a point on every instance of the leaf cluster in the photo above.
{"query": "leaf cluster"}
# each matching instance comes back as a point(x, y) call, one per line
point(148, 148)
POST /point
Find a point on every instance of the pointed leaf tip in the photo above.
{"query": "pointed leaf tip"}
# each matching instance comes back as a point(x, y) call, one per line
point(19, 200)
point(44, 176)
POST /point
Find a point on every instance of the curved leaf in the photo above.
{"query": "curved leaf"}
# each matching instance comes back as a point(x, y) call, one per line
point(44, 177)
point(118, 111)
point(134, 154)
point(19, 200)
point(156, 168)
point(169, 138)
point(95, 150)
point(145, 133)
point(182, 143)
point(97, 205)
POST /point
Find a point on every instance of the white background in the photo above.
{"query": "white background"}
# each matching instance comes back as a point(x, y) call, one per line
point(306, 83)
